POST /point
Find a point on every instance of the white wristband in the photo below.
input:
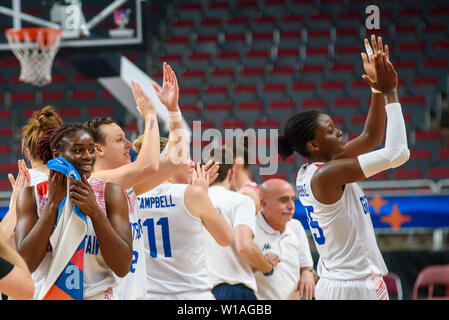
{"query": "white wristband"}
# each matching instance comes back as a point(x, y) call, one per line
point(174, 116)
point(375, 90)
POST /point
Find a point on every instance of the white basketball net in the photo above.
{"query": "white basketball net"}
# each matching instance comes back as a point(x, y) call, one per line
point(35, 56)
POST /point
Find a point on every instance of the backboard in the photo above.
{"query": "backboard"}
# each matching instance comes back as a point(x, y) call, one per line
point(84, 23)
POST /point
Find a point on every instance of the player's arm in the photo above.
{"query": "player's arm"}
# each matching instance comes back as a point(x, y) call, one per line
point(33, 232)
point(8, 223)
point(328, 180)
point(248, 249)
point(198, 203)
point(146, 164)
point(373, 132)
point(18, 282)
point(112, 230)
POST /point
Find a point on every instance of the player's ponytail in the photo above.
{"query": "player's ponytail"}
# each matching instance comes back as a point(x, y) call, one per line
point(284, 148)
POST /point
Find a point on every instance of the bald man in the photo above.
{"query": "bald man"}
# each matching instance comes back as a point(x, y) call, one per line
point(277, 232)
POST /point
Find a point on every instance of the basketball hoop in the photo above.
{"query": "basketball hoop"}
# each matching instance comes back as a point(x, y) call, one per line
point(35, 48)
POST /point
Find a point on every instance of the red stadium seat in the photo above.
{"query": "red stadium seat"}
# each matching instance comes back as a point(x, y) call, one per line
point(290, 38)
point(262, 40)
point(383, 175)
point(105, 94)
point(6, 132)
point(9, 167)
point(100, 112)
point(247, 4)
point(317, 103)
point(190, 111)
point(227, 59)
point(83, 94)
point(234, 124)
point(350, 20)
point(5, 149)
point(274, 91)
point(266, 124)
point(318, 37)
point(5, 184)
point(69, 112)
point(170, 57)
point(22, 97)
point(219, 5)
point(53, 95)
point(429, 277)
point(263, 23)
point(407, 173)
point(439, 172)
point(302, 90)
point(282, 105)
point(6, 115)
point(291, 21)
point(221, 76)
point(250, 105)
point(211, 23)
point(317, 55)
point(256, 57)
point(188, 94)
point(443, 154)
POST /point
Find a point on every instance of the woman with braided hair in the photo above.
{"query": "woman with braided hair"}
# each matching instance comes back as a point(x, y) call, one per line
point(108, 244)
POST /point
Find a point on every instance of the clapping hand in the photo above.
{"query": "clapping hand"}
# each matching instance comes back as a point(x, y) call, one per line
point(22, 181)
point(169, 94)
point(368, 57)
point(145, 105)
point(386, 76)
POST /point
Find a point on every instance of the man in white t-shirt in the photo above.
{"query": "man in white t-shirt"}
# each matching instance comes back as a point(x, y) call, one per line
point(232, 268)
point(277, 232)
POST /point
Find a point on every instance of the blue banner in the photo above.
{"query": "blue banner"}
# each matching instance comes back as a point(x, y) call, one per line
point(400, 212)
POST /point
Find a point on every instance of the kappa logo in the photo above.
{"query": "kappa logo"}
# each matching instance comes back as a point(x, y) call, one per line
point(266, 246)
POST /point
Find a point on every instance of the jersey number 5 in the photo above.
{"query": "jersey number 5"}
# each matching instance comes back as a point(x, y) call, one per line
point(319, 239)
point(163, 223)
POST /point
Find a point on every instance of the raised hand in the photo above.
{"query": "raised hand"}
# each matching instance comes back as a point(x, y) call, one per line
point(212, 170)
point(386, 76)
point(22, 181)
point(200, 177)
point(145, 105)
point(368, 58)
point(169, 94)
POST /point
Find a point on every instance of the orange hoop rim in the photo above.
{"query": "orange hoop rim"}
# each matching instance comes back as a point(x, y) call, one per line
point(33, 32)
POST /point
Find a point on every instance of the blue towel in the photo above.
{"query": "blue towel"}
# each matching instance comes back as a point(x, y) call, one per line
point(65, 279)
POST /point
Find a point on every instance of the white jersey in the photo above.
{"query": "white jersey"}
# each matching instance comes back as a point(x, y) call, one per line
point(342, 231)
point(224, 263)
point(175, 253)
point(292, 247)
point(100, 282)
point(133, 285)
point(37, 176)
